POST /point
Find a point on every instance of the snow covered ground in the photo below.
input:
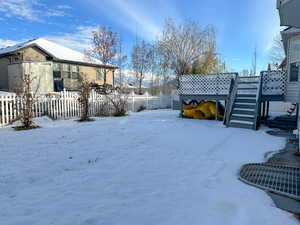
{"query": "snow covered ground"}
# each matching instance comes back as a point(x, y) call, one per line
point(150, 168)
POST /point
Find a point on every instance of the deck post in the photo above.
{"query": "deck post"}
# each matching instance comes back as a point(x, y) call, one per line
point(181, 107)
point(264, 111)
point(217, 110)
point(268, 109)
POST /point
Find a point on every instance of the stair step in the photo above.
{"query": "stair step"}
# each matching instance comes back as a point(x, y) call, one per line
point(247, 88)
point(245, 100)
point(241, 125)
point(246, 96)
point(244, 106)
point(243, 112)
point(248, 82)
point(242, 118)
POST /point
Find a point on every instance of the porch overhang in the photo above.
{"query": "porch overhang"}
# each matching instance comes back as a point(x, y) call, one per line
point(287, 34)
point(289, 12)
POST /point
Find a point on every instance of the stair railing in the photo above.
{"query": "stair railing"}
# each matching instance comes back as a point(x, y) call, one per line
point(258, 104)
point(231, 98)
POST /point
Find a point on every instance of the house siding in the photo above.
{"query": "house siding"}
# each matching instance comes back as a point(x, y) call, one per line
point(33, 54)
point(293, 88)
point(4, 73)
point(92, 73)
point(43, 83)
point(15, 72)
point(43, 71)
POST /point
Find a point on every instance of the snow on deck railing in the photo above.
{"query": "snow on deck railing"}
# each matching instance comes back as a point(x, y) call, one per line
point(65, 105)
point(273, 83)
point(205, 84)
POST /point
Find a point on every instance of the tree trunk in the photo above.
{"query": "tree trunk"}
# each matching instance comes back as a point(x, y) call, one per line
point(104, 76)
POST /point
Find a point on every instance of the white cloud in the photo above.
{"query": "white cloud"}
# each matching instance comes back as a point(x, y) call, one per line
point(64, 7)
point(32, 10)
point(6, 43)
point(135, 15)
point(79, 40)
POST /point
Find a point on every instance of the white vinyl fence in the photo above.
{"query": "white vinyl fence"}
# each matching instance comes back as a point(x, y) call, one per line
point(65, 105)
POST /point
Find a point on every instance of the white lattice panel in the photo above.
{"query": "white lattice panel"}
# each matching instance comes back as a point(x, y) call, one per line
point(206, 84)
point(274, 82)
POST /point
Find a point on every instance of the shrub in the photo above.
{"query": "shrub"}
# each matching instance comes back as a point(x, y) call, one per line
point(25, 99)
point(119, 103)
point(84, 97)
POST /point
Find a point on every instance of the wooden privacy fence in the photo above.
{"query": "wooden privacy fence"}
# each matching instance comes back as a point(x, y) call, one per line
point(65, 105)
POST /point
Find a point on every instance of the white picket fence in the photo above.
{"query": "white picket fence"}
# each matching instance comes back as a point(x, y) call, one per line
point(65, 105)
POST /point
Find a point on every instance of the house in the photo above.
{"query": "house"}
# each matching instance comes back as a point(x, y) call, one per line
point(290, 17)
point(56, 67)
point(289, 12)
point(291, 41)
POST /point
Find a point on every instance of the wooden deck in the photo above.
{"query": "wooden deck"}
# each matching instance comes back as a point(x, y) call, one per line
point(217, 86)
point(238, 92)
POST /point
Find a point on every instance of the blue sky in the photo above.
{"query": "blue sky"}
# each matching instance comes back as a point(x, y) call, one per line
point(241, 24)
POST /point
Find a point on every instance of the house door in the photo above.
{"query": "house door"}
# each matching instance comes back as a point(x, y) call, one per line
point(58, 85)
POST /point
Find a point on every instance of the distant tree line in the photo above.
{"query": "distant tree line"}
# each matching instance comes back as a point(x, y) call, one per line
point(184, 48)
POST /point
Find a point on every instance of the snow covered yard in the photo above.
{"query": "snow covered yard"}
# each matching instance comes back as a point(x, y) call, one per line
point(150, 168)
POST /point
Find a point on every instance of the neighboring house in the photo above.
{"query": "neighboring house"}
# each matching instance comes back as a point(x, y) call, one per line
point(55, 67)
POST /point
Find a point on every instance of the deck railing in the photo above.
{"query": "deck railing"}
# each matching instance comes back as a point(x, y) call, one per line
point(273, 83)
point(206, 84)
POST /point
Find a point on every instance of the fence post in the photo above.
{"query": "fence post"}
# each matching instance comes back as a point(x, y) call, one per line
point(160, 99)
point(147, 100)
point(132, 105)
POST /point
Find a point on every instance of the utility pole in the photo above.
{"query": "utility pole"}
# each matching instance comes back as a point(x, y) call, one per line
point(254, 62)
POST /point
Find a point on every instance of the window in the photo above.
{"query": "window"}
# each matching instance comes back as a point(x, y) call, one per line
point(100, 75)
point(294, 72)
point(56, 70)
point(66, 71)
point(75, 72)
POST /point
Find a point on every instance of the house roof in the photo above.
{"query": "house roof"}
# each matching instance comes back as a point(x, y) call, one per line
point(58, 52)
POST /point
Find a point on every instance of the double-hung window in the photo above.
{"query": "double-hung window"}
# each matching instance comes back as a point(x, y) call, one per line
point(75, 72)
point(56, 70)
point(100, 75)
point(66, 70)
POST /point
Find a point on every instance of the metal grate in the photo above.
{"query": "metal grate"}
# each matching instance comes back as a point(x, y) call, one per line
point(274, 82)
point(281, 178)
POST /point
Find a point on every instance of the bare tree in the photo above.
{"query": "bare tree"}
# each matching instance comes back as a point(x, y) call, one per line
point(104, 46)
point(154, 71)
point(141, 60)
point(121, 63)
point(84, 88)
point(277, 53)
point(164, 71)
point(26, 96)
point(210, 61)
point(184, 43)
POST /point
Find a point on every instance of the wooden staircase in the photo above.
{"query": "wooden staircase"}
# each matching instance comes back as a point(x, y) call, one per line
point(243, 110)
